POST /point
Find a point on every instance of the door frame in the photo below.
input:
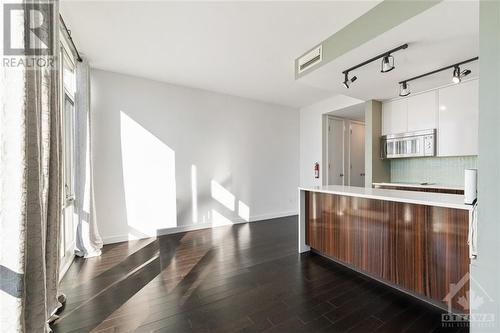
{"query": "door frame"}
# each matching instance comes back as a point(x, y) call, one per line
point(346, 156)
point(327, 148)
point(349, 144)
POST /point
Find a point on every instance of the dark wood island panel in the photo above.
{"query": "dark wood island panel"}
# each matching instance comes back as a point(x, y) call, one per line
point(417, 248)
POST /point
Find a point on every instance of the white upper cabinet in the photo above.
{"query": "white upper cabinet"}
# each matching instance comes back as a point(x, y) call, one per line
point(410, 114)
point(453, 110)
point(458, 119)
point(422, 111)
point(394, 117)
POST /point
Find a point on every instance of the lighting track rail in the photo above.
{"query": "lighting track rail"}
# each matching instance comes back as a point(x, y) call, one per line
point(457, 75)
point(387, 64)
point(440, 70)
point(402, 47)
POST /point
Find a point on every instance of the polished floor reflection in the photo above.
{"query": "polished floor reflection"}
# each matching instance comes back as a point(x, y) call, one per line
point(240, 278)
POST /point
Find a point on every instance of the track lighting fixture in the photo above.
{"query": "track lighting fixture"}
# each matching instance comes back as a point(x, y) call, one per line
point(458, 76)
point(387, 63)
point(348, 81)
point(404, 89)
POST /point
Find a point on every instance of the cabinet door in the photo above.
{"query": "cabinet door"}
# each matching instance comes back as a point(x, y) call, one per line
point(315, 221)
point(458, 119)
point(394, 117)
point(422, 111)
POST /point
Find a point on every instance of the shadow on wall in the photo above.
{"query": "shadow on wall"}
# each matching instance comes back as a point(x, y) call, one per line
point(150, 188)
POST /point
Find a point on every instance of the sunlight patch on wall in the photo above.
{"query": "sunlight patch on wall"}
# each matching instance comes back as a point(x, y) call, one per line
point(243, 211)
point(148, 179)
point(194, 194)
point(222, 195)
point(218, 219)
point(133, 233)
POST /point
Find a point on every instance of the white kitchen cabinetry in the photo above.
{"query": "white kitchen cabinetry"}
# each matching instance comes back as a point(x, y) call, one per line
point(458, 119)
point(453, 110)
point(422, 111)
point(394, 116)
point(415, 113)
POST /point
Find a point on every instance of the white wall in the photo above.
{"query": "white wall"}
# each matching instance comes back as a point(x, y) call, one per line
point(170, 158)
point(311, 135)
point(485, 271)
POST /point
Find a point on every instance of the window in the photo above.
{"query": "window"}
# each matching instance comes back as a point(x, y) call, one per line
point(68, 123)
point(68, 117)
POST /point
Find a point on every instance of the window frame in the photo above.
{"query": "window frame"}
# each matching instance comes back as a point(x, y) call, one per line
point(67, 94)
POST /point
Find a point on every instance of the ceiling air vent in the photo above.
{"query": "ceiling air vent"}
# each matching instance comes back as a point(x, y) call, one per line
point(312, 58)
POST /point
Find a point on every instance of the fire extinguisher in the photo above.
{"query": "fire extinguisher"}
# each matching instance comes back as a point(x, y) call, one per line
point(316, 170)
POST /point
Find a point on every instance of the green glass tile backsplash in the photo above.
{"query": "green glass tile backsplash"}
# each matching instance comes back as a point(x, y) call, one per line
point(441, 170)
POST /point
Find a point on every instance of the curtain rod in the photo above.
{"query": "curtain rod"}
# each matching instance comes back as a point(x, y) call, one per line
point(70, 39)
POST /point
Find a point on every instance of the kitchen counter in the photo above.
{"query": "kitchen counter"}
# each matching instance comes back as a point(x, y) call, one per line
point(455, 201)
point(419, 185)
point(416, 242)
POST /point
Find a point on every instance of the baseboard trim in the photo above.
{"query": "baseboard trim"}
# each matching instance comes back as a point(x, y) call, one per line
point(161, 232)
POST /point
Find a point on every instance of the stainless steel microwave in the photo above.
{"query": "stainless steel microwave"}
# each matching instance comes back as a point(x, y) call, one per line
point(410, 144)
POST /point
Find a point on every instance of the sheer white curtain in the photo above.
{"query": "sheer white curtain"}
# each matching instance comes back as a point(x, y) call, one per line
point(88, 240)
point(30, 184)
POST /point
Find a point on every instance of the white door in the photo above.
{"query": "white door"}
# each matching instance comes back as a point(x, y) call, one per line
point(357, 154)
point(67, 228)
point(335, 152)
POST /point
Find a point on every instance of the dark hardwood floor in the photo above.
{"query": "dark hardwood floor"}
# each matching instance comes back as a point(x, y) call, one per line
point(241, 278)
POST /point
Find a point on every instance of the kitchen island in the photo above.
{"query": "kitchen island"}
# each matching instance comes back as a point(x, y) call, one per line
point(413, 241)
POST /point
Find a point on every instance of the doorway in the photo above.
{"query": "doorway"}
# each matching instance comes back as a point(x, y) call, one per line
point(345, 152)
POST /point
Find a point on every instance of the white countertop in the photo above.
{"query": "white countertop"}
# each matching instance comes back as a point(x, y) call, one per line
point(420, 198)
point(430, 185)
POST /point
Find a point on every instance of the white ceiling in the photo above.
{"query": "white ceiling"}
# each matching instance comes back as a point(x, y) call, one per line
point(443, 35)
point(240, 48)
point(353, 112)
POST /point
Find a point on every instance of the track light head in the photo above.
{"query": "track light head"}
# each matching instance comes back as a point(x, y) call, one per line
point(456, 75)
point(465, 72)
point(387, 63)
point(404, 89)
point(348, 81)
